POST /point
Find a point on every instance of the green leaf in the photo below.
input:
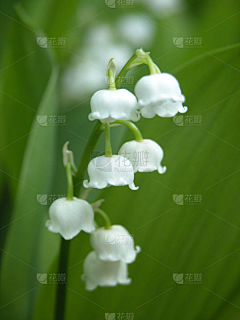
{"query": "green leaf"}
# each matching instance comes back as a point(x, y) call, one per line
point(25, 70)
point(202, 159)
point(23, 255)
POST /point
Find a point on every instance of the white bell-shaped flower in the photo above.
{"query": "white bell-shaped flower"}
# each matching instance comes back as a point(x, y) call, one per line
point(104, 273)
point(145, 156)
point(110, 171)
point(69, 217)
point(114, 244)
point(159, 94)
point(111, 105)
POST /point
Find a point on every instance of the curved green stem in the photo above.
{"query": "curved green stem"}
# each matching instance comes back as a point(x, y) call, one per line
point(137, 62)
point(108, 147)
point(124, 71)
point(156, 68)
point(133, 62)
point(151, 65)
point(105, 217)
point(132, 127)
point(112, 125)
point(69, 181)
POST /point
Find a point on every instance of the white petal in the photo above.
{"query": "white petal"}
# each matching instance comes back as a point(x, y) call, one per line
point(69, 217)
point(169, 109)
point(159, 94)
point(111, 105)
point(103, 273)
point(148, 112)
point(110, 171)
point(114, 244)
point(145, 156)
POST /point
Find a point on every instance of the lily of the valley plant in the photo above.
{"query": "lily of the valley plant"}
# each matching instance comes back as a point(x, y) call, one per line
point(156, 94)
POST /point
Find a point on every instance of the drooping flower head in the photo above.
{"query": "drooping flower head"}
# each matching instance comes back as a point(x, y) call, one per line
point(114, 244)
point(159, 94)
point(110, 171)
point(145, 156)
point(104, 273)
point(69, 217)
point(111, 105)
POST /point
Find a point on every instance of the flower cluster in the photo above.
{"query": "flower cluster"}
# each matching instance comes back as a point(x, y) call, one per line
point(107, 264)
point(156, 94)
point(113, 246)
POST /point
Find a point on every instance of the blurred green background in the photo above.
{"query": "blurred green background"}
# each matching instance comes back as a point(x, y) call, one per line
point(53, 57)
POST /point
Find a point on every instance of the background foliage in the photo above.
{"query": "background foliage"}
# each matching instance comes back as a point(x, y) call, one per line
point(202, 159)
